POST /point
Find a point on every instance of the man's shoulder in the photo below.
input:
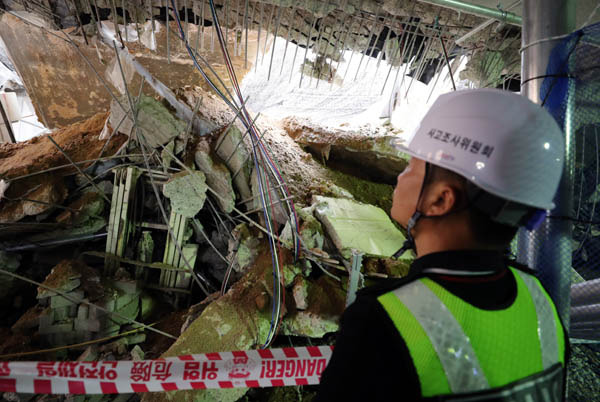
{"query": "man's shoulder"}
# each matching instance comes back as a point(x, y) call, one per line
point(384, 286)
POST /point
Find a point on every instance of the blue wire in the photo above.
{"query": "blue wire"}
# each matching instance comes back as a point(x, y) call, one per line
point(255, 158)
point(254, 137)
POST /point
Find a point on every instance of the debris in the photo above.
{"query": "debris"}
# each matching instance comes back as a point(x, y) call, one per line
point(325, 304)
point(156, 125)
point(377, 235)
point(187, 193)
point(244, 247)
point(217, 176)
point(137, 353)
point(80, 141)
point(114, 76)
point(232, 322)
point(231, 149)
point(311, 230)
point(300, 292)
point(365, 155)
point(34, 201)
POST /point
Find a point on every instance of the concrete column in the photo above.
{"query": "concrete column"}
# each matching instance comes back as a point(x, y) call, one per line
point(548, 249)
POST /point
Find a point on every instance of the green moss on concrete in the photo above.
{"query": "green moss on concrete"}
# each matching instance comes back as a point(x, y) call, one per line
point(362, 190)
point(290, 271)
point(187, 193)
point(232, 322)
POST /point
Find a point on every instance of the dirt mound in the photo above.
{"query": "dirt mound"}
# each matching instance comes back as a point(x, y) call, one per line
point(80, 141)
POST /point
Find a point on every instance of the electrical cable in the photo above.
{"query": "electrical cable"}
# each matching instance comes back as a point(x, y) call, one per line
point(265, 169)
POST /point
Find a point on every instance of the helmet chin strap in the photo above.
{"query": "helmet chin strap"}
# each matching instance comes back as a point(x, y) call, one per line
point(409, 243)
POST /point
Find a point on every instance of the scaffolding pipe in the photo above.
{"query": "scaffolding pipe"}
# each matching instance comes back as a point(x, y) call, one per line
point(585, 293)
point(484, 25)
point(480, 11)
point(548, 249)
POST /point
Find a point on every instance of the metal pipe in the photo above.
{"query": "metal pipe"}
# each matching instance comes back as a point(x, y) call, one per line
point(58, 242)
point(586, 313)
point(481, 11)
point(548, 249)
point(585, 293)
point(484, 25)
point(354, 278)
point(585, 325)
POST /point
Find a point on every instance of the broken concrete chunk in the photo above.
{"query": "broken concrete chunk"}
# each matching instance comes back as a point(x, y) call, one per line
point(231, 149)
point(290, 271)
point(91, 204)
point(325, 303)
point(34, 201)
point(156, 125)
point(137, 353)
point(167, 155)
point(64, 277)
point(217, 176)
point(300, 292)
point(243, 248)
point(187, 192)
point(115, 77)
point(67, 300)
point(311, 230)
point(352, 225)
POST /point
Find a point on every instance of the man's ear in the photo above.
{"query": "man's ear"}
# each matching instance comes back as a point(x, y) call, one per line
point(441, 199)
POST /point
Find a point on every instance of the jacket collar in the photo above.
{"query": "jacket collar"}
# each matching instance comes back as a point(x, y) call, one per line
point(464, 260)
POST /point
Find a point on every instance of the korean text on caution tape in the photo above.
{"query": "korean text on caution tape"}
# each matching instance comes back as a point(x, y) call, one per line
point(253, 368)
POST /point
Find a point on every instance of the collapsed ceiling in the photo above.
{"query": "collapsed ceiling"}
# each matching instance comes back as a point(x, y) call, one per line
point(396, 32)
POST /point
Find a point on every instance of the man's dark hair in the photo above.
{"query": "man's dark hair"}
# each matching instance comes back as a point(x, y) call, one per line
point(487, 231)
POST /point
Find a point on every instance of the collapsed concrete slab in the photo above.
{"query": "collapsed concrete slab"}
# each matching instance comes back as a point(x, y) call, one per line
point(352, 225)
point(232, 322)
point(366, 155)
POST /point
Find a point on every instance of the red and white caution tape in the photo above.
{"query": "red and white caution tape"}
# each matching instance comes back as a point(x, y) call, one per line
point(251, 368)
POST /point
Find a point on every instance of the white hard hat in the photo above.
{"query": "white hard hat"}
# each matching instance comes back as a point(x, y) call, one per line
point(499, 140)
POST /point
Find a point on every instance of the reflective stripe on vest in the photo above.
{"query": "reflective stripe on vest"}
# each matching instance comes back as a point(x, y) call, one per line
point(458, 348)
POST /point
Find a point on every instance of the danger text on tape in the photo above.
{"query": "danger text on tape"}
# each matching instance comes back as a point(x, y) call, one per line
point(239, 369)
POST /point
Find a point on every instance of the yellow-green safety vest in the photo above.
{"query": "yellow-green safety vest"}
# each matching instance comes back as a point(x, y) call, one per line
point(458, 348)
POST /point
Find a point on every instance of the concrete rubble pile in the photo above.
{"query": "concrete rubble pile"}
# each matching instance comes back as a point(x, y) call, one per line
point(81, 217)
point(139, 226)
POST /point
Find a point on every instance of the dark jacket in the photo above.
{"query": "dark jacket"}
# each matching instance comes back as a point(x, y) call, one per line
point(371, 361)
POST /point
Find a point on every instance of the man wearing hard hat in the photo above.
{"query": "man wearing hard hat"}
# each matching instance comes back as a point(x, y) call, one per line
point(465, 324)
